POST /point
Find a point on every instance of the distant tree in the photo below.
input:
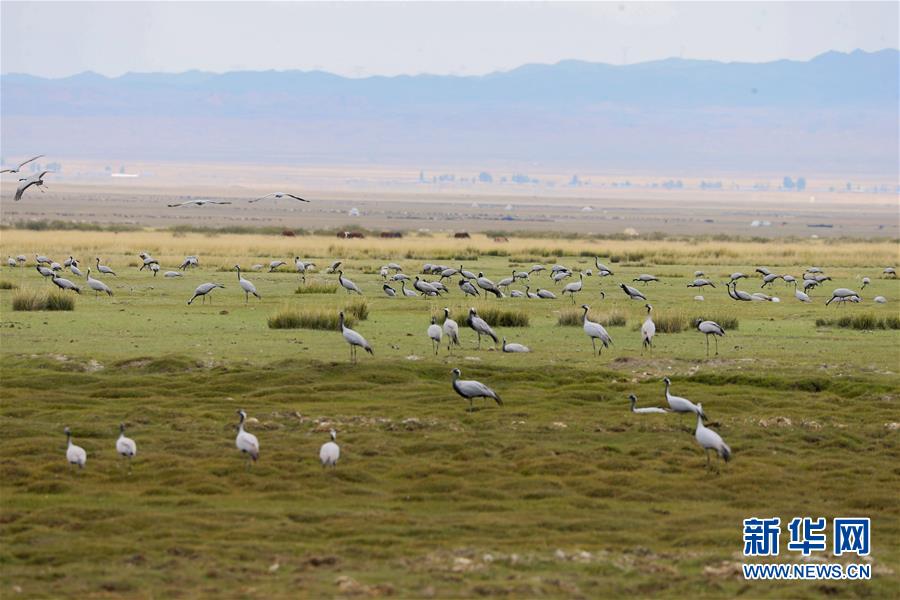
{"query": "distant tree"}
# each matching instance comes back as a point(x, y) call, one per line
point(788, 183)
point(520, 178)
point(574, 181)
point(801, 184)
point(485, 177)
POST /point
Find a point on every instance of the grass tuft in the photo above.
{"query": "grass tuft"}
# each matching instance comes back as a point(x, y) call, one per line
point(497, 317)
point(358, 308)
point(326, 320)
point(573, 317)
point(316, 286)
point(29, 300)
point(8, 285)
point(865, 322)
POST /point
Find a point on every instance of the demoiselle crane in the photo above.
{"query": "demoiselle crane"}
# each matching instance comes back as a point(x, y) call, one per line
point(574, 287)
point(451, 331)
point(125, 446)
point(278, 196)
point(245, 284)
point(632, 293)
point(710, 440)
point(435, 333)
point(347, 284)
point(645, 278)
point(36, 180)
point(700, 282)
point(841, 294)
point(467, 288)
point(710, 328)
point(245, 441)
point(389, 291)
point(406, 292)
point(97, 285)
point(203, 290)
point(74, 454)
point(471, 389)
point(480, 326)
point(595, 331)
point(487, 285)
point(198, 202)
point(104, 269)
point(648, 330)
point(679, 404)
point(330, 452)
point(64, 284)
point(647, 410)
point(514, 347)
point(354, 339)
point(18, 167)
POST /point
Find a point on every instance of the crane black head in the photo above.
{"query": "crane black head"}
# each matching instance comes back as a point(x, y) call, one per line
point(122, 427)
point(667, 381)
point(456, 372)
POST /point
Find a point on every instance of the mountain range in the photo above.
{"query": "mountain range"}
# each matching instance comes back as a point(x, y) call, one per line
point(836, 113)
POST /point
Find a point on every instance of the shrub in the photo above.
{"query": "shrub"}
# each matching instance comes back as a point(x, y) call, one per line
point(8, 285)
point(28, 300)
point(572, 317)
point(671, 322)
point(497, 317)
point(289, 318)
point(358, 308)
point(867, 322)
point(728, 322)
point(316, 286)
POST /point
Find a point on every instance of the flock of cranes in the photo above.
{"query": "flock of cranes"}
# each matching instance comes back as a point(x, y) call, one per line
point(246, 443)
point(471, 284)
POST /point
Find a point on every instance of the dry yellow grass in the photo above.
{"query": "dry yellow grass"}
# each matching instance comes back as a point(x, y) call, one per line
point(225, 249)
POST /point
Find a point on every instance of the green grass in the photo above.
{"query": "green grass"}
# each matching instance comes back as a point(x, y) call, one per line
point(30, 300)
point(496, 317)
point(291, 318)
point(575, 317)
point(867, 322)
point(561, 492)
point(316, 286)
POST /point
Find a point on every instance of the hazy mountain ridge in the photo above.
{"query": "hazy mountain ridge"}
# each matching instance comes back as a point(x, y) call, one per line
point(836, 110)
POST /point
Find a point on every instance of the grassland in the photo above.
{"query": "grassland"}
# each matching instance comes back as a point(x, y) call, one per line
point(560, 492)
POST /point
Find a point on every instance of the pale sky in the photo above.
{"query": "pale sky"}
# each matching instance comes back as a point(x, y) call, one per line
point(55, 39)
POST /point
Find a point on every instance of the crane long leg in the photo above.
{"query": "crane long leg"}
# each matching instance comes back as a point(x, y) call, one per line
point(707, 458)
point(594, 344)
point(717, 345)
point(707, 346)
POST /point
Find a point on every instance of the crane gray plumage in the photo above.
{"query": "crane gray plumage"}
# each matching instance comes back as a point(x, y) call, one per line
point(471, 389)
point(347, 284)
point(203, 290)
point(710, 328)
point(435, 333)
point(75, 270)
point(738, 294)
point(36, 180)
point(42, 260)
point(480, 326)
point(768, 279)
point(245, 284)
point(763, 271)
point(602, 270)
point(11, 262)
point(468, 288)
point(865, 281)
point(104, 269)
point(889, 272)
point(530, 294)
point(334, 267)
point(516, 294)
point(647, 410)
point(545, 294)
point(560, 275)
point(353, 338)
point(425, 288)
point(275, 264)
point(55, 266)
point(278, 196)
point(171, 274)
point(595, 331)
point(448, 272)
point(841, 294)
point(488, 285)
point(451, 331)
point(537, 268)
point(97, 285)
point(64, 284)
point(467, 274)
point(632, 293)
point(648, 330)
point(514, 347)
point(18, 167)
point(399, 276)
point(44, 271)
point(645, 278)
point(574, 287)
point(406, 292)
point(190, 261)
point(710, 440)
point(801, 296)
point(679, 404)
point(700, 282)
point(389, 291)
point(507, 281)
